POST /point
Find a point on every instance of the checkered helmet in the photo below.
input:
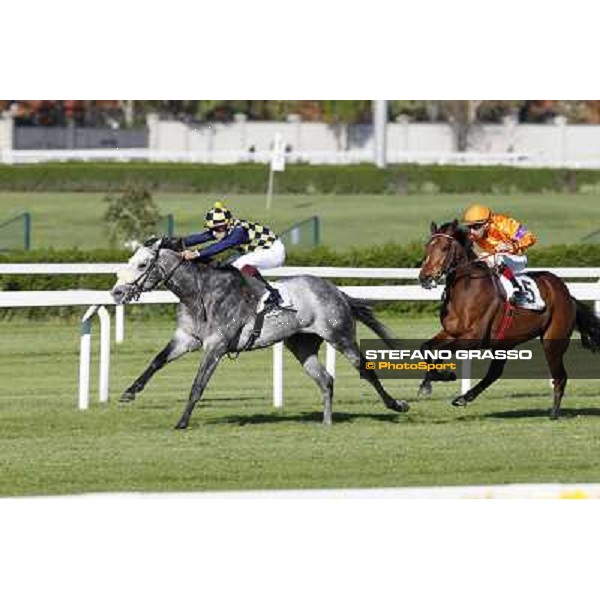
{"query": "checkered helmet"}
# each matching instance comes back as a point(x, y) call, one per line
point(218, 216)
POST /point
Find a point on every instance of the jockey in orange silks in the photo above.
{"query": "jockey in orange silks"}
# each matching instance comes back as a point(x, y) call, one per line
point(504, 240)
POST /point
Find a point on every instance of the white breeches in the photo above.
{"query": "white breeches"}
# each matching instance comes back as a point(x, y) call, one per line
point(263, 258)
point(515, 262)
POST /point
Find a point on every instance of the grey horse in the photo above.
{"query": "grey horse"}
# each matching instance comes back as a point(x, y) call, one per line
point(217, 312)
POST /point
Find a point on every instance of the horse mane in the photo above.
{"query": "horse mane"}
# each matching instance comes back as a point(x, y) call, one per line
point(460, 234)
point(229, 269)
point(176, 244)
point(219, 268)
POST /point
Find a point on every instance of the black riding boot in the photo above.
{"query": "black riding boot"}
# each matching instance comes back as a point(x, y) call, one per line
point(274, 300)
point(519, 293)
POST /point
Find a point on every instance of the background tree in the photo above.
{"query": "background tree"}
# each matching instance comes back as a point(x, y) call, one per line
point(131, 217)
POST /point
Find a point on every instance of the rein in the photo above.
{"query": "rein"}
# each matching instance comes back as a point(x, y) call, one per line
point(447, 269)
point(508, 315)
point(138, 284)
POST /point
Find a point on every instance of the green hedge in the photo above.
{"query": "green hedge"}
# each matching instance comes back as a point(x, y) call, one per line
point(297, 179)
point(395, 255)
point(389, 255)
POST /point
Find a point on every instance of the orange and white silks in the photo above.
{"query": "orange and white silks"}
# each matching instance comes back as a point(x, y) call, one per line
point(505, 230)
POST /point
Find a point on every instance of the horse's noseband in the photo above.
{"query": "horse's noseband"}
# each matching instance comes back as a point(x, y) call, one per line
point(138, 284)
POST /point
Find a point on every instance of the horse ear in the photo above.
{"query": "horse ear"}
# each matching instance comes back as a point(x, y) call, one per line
point(433, 227)
point(455, 223)
point(151, 241)
point(174, 243)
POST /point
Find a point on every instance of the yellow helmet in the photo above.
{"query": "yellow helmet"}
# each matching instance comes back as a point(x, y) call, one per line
point(218, 216)
point(477, 213)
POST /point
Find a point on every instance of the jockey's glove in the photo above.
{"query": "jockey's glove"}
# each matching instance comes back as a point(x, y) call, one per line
point(189, 254)
point(505, 247)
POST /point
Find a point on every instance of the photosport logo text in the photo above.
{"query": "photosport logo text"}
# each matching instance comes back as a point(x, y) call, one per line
point(406, 359)
point(434, 360)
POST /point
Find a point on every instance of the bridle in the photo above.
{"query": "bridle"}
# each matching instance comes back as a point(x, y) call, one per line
point(446, 268)
point(138, 284)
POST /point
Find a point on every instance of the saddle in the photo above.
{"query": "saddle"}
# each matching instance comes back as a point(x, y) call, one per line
point(530, 298)
point(257, 289)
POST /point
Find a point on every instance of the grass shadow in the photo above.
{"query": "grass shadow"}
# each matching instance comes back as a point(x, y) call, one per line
point(305, 417)
point(565, 413)
point(540, 394)
point(158, 403)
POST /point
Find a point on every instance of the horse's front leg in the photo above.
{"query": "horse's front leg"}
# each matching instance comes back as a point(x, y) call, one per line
point(494, 372)
point(439, 341)
point(180, 343)
point(207, 368)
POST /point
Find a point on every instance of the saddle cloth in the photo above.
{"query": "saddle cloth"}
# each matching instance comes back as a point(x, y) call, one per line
point(285, 297)
point(531, 299)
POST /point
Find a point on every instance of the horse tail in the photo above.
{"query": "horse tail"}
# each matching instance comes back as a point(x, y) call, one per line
point(588, 325)
point(363, 311)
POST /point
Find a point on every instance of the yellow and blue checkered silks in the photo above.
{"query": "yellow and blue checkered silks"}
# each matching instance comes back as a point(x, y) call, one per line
point(259, 236)
point(218, 216)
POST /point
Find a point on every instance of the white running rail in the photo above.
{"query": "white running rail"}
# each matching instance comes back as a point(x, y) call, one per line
point(98, 300)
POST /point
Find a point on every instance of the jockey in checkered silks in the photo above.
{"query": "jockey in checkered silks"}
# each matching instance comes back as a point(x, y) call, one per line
point(258, 246)
point(504, 240)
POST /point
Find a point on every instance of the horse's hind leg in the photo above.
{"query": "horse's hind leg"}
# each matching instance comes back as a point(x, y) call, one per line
point(180, 344)
point(305, 347)
point(554, 350)
point(350, 350)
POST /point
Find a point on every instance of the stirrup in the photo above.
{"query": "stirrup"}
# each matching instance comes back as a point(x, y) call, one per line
point(274, 303)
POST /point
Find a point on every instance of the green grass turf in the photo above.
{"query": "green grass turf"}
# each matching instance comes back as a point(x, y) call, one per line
point(237, 440)
point(66, 220)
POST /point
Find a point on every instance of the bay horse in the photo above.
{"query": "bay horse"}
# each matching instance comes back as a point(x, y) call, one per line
point(217, 313)
point(474, 312)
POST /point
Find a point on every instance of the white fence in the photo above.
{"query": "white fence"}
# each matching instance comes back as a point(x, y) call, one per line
point(98, 300)
point(311, 157)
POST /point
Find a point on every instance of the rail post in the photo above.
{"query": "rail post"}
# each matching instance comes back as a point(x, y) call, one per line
point(119, 323)
point(85, 354)
point(330, 359)
point(278, 375)
point(465, 382)
point(104, 317)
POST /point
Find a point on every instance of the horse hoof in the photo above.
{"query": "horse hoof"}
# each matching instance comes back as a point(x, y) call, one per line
point(181, 425)
point(399, 406)
point(424, 390)
point(460, 401)
point(127, 396)
point(444, 376)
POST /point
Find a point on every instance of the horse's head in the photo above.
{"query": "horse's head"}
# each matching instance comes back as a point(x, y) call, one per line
point(147, 268)
point(447, 247)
